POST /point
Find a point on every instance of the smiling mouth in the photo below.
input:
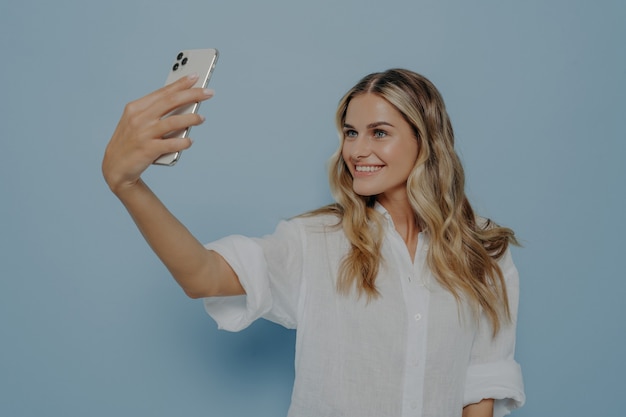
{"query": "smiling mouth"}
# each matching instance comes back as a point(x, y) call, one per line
point(368, 168)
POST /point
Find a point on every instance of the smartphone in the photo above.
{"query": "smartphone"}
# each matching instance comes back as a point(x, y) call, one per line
point(201, 62)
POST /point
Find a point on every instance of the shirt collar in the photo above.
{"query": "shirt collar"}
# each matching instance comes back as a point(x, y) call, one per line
point(383, 211)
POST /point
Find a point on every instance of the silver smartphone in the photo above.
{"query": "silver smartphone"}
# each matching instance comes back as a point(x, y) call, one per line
point(201, 62)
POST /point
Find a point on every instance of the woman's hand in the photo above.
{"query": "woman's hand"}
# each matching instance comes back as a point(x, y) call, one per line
point(138, 138)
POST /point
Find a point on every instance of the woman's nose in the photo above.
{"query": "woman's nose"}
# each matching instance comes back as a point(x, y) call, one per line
point(360, 148)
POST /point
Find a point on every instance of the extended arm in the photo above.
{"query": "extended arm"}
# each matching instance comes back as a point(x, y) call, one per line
point(136, 142)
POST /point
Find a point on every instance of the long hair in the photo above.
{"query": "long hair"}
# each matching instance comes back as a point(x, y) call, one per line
point(463, 252)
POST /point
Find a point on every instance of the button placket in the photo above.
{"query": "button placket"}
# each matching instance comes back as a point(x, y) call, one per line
point(416, 310)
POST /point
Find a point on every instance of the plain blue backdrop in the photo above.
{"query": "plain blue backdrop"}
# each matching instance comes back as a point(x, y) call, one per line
point(90, 322)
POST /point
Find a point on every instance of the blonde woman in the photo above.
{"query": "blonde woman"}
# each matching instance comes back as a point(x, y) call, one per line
point(404, 300)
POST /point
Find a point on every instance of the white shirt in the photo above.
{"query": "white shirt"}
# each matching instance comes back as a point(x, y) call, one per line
point(409, 352)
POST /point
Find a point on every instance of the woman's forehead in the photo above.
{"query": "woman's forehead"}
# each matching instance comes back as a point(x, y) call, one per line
point(369, 108)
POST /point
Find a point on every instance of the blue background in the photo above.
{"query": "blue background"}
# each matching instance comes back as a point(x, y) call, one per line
point(90, 322)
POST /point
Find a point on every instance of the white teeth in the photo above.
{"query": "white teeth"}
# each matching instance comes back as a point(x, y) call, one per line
point(362, 168)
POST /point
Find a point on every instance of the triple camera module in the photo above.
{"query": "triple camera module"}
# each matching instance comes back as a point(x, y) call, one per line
point(181, 59)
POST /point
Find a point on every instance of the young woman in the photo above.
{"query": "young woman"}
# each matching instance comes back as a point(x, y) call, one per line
point(404, 300)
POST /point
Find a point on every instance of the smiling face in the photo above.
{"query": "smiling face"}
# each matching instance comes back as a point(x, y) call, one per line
point(379, 147)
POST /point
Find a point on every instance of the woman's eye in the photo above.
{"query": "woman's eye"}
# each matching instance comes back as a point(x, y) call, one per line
point(380, 134)
point(350, 133)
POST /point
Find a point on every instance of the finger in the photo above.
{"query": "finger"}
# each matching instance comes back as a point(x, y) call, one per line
point(174, 123)
point(148, 119)
point(148, 100)
point(169, 102)
point(164, 146)
point(183, 83)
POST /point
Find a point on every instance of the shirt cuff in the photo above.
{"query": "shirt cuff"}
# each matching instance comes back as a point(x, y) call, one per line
point(501, 381)
point(246, 258)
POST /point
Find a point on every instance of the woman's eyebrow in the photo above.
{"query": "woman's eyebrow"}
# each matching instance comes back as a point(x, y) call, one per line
point(369, 126)
point(377, 124)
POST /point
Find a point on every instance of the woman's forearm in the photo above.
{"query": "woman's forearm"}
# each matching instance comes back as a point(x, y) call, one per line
point(201, 273)
point(481, 409)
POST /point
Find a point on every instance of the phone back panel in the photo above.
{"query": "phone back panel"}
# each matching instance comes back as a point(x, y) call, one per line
point(187, 62)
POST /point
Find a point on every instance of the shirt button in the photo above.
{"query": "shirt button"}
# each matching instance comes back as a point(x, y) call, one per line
point(418, 317)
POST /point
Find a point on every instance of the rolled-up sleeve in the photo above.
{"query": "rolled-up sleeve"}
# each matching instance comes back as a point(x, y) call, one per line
point(270, 271)
point(493, 371)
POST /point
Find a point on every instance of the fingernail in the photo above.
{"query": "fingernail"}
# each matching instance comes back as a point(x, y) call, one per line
point(209, 92)
point(192, 76)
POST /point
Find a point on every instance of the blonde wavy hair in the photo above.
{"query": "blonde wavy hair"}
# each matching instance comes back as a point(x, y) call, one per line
point(463, 251)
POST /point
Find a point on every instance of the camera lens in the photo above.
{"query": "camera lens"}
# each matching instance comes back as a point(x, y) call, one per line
point(179, 56)
point(184, 61)
point(175, 67)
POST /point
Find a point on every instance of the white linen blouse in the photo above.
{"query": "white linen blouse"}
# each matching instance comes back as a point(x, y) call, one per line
point(413, 351)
